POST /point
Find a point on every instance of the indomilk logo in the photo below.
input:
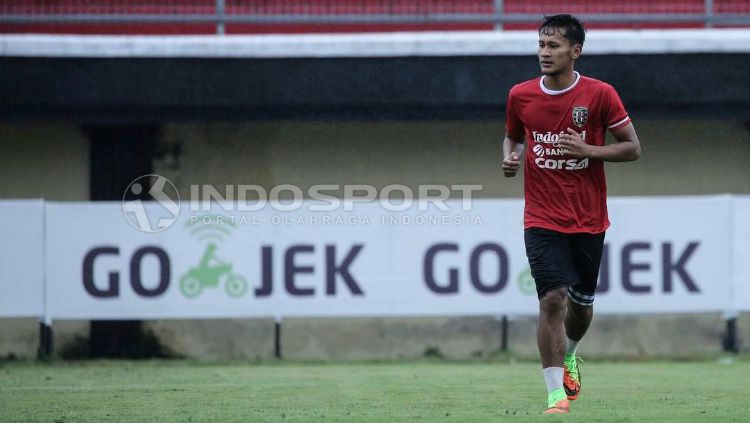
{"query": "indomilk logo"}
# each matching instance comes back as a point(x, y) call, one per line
point(548, 144)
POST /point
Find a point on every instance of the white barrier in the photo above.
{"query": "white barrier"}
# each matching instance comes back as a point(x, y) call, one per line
point(399, 44)
point(663, 255)
point(741, 253)
point(22, 258)
point(294, 264)
point(669, 255)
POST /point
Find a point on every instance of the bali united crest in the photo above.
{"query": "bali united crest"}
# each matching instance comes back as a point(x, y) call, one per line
point(580, 115)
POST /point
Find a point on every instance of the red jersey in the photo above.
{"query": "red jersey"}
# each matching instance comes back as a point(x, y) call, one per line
point(562, 193)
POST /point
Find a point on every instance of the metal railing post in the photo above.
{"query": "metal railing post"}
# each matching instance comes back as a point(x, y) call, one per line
point(498, 15)
point(220, 17)
point(709, 10)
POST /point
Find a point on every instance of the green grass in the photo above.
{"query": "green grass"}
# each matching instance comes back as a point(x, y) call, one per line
point(182, 391)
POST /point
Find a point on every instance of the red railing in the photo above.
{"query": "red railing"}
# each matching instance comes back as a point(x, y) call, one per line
point(278, 16)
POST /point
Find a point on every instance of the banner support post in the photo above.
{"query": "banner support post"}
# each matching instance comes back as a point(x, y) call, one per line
point(730, 341)
point(46, 335)
point(504, 335)
point(46, 340)
point(277, 336)
point(503, 319)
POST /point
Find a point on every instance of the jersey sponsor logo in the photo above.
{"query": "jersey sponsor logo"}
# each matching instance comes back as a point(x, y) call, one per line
point(540, 151)
point(547, 151)
point(562, 164)
point(580, 115)
point(552, 138)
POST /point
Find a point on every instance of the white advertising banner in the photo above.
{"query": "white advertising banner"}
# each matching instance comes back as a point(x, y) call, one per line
point(289, 263)
point(663, 255)
point(741, 250)
point(22, 258)
point(668, 255)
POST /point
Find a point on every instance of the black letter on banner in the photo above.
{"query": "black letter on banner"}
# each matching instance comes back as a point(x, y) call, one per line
point(429, 270)
point(135, 271)
point(628, 267)
point(267, 273)
point(679, 267)
point(502, 259)
point(343, 270)
point(292, 269)
point(88, 273)
point(603, 285)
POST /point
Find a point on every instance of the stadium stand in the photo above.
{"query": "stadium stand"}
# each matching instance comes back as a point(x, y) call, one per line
point(293, 16)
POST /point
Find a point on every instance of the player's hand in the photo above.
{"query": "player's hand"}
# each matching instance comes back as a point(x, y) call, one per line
point(511, 163)
point(573, 144)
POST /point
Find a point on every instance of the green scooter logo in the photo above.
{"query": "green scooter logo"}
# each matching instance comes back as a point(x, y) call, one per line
point(208, 275)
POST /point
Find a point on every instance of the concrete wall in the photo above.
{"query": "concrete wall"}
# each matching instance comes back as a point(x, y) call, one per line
point(44, 160)
point(680, 157)
point(454, 338)
point(50, 160)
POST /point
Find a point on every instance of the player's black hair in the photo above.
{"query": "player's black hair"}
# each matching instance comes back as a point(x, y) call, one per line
point(568, 25)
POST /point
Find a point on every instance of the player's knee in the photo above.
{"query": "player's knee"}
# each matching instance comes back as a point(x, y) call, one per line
point(553, 302)
point(578, 312)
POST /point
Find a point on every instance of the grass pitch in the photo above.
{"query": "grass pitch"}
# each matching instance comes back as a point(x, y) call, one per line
point(183, 391)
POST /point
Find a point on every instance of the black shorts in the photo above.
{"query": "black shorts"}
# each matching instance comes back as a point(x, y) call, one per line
point(565, 260)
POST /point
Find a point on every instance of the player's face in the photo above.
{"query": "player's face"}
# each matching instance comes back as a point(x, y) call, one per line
point(556, 53)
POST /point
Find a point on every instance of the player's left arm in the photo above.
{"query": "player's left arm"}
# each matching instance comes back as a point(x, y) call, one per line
point(626, 149)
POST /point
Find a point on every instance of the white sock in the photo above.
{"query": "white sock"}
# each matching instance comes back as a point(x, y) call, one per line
point(572, 346)
point(553, 378)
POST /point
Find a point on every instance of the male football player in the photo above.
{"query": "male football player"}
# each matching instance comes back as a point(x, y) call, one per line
point(560, 121)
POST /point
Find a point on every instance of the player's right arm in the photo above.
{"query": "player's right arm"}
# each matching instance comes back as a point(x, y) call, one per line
point(512, 151)
point(513, 143)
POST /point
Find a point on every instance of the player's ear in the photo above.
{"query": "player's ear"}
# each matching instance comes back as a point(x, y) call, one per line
point(577, 49)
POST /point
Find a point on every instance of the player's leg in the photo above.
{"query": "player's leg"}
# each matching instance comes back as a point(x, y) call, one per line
point(550, 331)
point(577, 321)
point(553, 271)
point(587, 253)
point(550, 338)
